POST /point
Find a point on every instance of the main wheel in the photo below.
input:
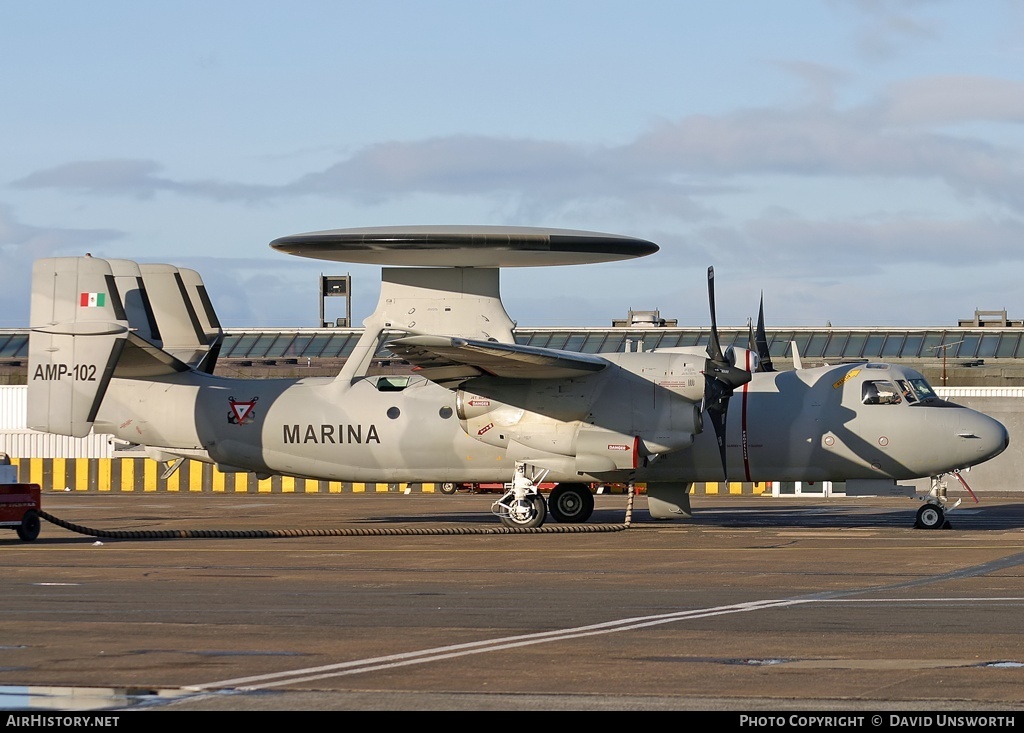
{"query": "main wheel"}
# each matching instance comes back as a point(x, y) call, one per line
point(448, 488)
point(528, 513)
point(28, 530)
point(572, 503)
point(930, 516)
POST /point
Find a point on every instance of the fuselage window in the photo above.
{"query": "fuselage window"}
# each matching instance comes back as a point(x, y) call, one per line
point(392, 384)
point(880, 393)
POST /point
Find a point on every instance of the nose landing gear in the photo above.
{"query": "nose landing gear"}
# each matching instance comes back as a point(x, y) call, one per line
point(936, 505)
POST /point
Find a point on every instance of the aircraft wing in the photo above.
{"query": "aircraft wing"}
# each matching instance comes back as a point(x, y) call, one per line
point(449, 360)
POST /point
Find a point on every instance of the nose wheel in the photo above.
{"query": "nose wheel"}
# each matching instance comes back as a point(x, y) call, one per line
point(930, 516)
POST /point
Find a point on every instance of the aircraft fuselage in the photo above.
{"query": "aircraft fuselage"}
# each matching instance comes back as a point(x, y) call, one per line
point(803, 425)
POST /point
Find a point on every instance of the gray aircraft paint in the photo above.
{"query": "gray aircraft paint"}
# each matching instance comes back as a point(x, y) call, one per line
point(476, 405)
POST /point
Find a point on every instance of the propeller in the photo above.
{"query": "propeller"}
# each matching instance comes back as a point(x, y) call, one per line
point(758, 341)
point(720, 377)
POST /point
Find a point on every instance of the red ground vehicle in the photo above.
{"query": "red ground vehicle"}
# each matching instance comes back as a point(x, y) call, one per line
point(19, 509)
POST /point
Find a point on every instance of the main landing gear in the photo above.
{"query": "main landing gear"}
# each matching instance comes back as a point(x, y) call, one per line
point(932, 515)
point(571, 503)
point(522, 504)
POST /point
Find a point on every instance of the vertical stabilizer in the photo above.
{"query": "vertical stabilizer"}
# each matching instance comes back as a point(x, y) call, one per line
point(184, 317)
point(195, 289)
point(135, 299)
point(78, 330)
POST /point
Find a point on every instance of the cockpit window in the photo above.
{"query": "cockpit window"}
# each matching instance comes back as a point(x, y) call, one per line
point(923, 389)
point(907, 390)
point(880, 392)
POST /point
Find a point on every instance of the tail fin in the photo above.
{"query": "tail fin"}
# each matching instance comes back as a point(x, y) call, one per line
point(203, 307)
point(93, 319)
point(184, 322)
point(170, 308)
point(138, 311)
point(78, 331)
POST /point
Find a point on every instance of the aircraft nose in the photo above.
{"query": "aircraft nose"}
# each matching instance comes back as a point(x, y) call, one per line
point(991, 435)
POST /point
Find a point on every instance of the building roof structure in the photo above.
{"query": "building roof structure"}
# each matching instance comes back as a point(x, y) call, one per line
point(994, 355)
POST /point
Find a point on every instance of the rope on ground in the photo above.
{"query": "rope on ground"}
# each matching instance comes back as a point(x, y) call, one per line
point(150, 534)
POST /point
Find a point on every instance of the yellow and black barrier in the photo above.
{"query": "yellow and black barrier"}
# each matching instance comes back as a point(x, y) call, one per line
point(144, 475)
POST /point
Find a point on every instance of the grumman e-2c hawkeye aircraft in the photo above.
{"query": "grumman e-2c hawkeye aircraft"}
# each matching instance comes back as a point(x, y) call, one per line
point(129, 349)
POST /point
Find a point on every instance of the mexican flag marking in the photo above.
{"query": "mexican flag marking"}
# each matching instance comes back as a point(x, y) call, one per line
point(93, 300)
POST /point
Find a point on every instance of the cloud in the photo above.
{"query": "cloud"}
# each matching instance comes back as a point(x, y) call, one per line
point(850, 270)
point(820, 81)
point(883, 27)
point(678, 168)
point(120, 177)
point(21, 244)
point(939, 100)
point(458, 165)
point(816, 143)
point(800, 247)
point(873, 140)
point(134, 178)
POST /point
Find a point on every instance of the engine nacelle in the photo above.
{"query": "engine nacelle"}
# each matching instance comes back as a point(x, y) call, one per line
point(643, 405)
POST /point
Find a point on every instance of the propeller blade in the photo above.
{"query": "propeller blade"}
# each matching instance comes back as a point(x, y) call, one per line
point(714, 345)
point(761, 342)
point(718, 421)
point(720, 377)
point(716, 368)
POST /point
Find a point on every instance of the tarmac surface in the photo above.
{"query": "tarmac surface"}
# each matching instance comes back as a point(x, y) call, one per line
point(756, 604)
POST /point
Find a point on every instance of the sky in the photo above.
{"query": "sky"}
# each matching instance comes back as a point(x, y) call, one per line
point(859, 162)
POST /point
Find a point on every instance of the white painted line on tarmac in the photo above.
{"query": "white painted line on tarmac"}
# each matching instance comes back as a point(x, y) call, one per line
point(309, 674)
point(277, 679)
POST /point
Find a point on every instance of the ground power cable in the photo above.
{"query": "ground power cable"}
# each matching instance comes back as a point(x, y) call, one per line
point(162, 534)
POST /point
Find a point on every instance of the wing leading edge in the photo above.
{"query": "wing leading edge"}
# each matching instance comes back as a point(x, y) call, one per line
point(449, 360)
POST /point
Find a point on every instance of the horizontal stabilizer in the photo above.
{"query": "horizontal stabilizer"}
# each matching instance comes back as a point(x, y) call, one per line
point(142, 360)
point(447, 359)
